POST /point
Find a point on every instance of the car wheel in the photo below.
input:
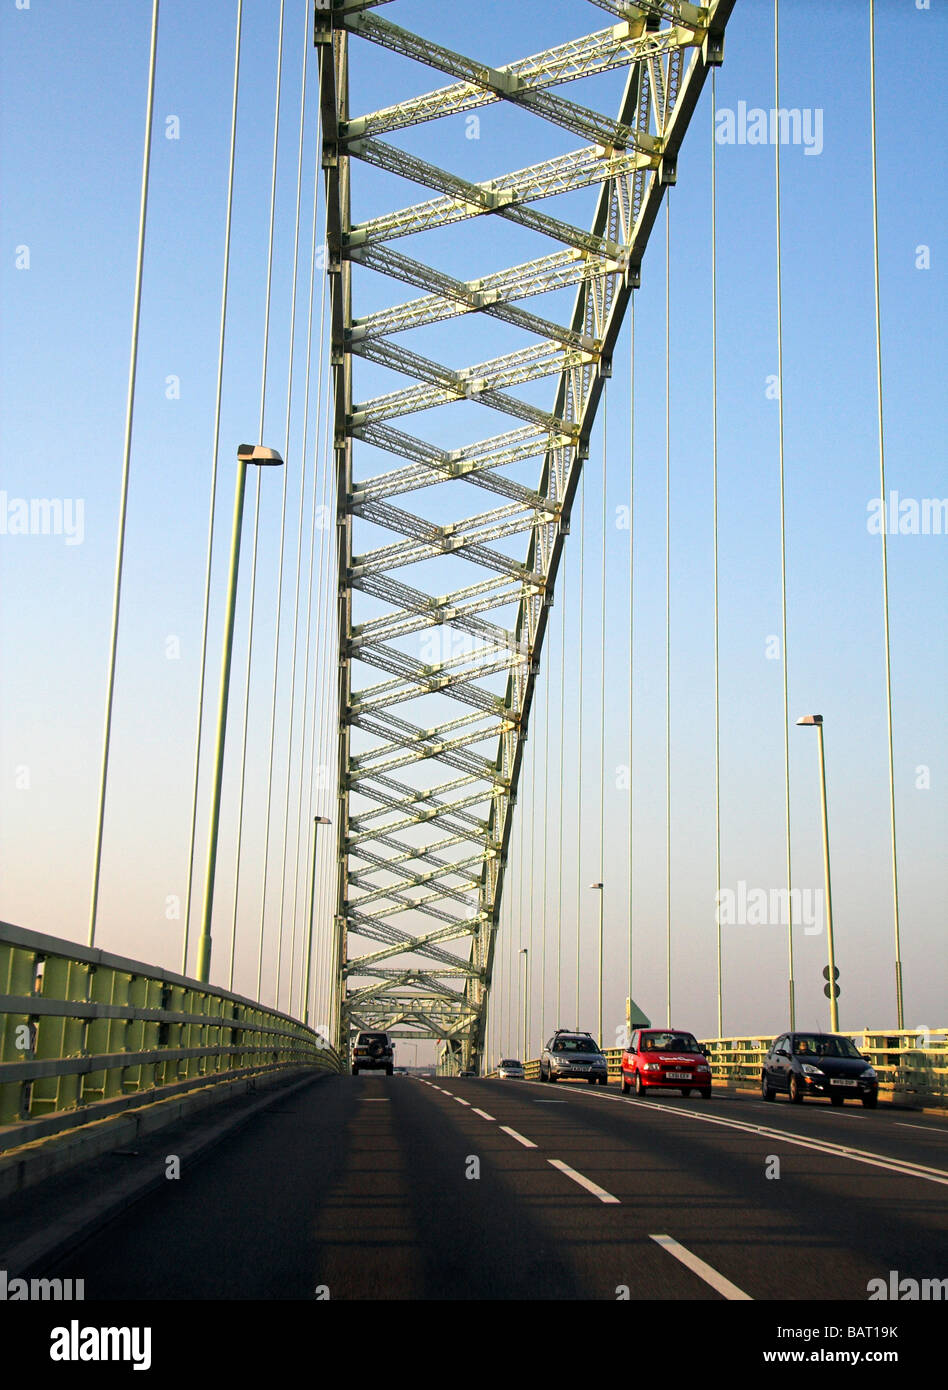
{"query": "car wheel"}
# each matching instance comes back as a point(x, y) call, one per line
point(389, 1070)
point(706, 1093)
point(837, 1099)
point(551, 1075)
point(870, 1102)
point(766, 1090)
point(604, 1081)
point(355, 1071)
point(591, 1080)
point(796, 1091)
point(626, 1088)
point(639, 1084)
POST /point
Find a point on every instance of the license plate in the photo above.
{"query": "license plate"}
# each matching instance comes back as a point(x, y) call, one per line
point(678, 1075)
point(837, 1081)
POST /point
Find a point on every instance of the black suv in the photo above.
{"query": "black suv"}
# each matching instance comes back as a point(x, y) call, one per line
point(572, 1056)
point(818, 1064)
point(373, 1052)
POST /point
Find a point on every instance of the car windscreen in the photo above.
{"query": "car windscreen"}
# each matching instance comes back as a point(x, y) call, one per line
point(510, 1062)
point(819, 1045)
point(668, 1042)
point(574, 1045)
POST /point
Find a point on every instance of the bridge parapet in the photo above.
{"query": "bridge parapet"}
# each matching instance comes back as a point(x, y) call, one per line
point(912, 1064)
point(83, 1028)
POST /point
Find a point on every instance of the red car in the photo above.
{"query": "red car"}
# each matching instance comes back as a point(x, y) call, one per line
point(665, 1057)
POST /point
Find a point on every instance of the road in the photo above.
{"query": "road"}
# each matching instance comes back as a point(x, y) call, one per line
point(375, 1188)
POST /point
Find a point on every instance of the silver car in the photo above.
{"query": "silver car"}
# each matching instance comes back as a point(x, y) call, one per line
point(573, 1056)
point(510, 1070)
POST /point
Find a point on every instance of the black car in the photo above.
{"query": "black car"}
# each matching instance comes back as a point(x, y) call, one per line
point(818, 1064)
point(373, 1052)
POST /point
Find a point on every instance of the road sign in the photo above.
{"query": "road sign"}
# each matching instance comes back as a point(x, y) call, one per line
point(826, 990)
point(826, 973)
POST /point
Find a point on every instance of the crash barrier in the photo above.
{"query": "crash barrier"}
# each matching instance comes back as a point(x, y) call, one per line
point(912, 1064)
point(80, 1026)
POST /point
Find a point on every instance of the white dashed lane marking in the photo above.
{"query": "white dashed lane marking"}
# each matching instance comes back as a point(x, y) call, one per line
point(527, 1143)
point(587, 1183)
point(703, 1270)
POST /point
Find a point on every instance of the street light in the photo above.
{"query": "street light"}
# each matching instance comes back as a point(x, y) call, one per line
point(525, 952)
point(263, 457)
point(599, 888)
point(817, 721)
point(317, 822)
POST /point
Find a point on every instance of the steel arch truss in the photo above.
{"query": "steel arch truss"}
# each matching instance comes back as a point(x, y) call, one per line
point(436, 684)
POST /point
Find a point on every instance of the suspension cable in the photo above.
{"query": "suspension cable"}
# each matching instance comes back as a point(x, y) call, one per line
point(559, 861)
point(668, 970)
point(213, 503)
point(784, 654)
point(126, 470)
point(602, 708)
point(533, 846)
point(321, 387)
point(257, 500)
point(631, 627)
point(579, 739)
point(327, 560)
point(717, 625)
point(286, 455)
point(900, 1015)
point(299, 567)
point(546, 802)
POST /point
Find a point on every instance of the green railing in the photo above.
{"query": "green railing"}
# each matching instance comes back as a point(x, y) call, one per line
point(912, 1065)
point(80, 1026)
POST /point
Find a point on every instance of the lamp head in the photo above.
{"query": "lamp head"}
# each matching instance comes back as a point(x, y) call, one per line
point(259, 454)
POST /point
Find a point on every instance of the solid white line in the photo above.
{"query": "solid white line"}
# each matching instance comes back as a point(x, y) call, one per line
point(590, 1186)
point(549, 1102)
point(527, 1143)
point(704, 1271)
point(483, 1113)
point(376, 1100)
point(825, 1146)
point(932, 1129)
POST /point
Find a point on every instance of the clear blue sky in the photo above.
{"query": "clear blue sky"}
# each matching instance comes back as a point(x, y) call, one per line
point(71, 127)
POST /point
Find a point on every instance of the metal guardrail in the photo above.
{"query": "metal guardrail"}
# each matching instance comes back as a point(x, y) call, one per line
point(912, 1064)
point(79, 1025)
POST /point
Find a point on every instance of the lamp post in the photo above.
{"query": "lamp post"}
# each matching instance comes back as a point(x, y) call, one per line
point(263, 457)
point(525, 952)
point(597, 887)
point(317, 822)
point(817, 721)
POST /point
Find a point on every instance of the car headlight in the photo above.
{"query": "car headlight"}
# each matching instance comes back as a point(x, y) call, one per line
point(651, 1066)
point(811, 1071)
point(869, 1073)
point(702, 1066)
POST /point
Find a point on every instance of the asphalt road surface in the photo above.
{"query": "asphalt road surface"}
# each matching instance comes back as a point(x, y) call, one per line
point(393, 1188)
